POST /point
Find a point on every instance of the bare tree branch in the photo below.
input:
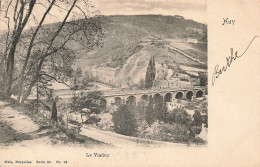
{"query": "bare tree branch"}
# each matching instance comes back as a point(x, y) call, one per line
point(56, 79)
point(16, 36)
point(31, 45)
point(47, 54)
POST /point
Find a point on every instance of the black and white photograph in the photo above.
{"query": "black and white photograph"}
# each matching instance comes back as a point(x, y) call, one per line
point(112, 74)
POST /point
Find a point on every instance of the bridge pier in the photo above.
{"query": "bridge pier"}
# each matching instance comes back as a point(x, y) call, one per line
point(109, 100)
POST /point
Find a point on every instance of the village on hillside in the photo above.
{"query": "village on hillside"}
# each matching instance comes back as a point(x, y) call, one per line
point(92, 80)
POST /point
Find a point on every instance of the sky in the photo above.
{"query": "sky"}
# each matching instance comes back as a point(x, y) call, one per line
point(190, 9)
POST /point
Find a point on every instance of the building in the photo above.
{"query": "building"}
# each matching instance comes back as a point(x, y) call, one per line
point(172, 83)
point(192, 41)
point(104, 75)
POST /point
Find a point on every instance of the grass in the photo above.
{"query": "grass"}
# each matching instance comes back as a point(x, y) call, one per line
point(8, 135)
point(57, 132)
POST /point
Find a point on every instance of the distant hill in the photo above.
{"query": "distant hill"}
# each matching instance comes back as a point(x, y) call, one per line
point(126, 36)
point(130, 41)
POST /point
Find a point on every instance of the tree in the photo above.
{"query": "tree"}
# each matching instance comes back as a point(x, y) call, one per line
point(76, 79)
point(160, 108)
point(179, 116)
point(204, 110)
point(141, 84)
point(54, 113)
point(20, 19)
point(64, 109)
point(87, 105)
point(44, 50)
point(150, 73)
point(87, 78)
point(140, 110)
point(150, 115)
point(196, 125)
point(162, 115)
point(124, 121)
point(197, 118)
point(203, 79)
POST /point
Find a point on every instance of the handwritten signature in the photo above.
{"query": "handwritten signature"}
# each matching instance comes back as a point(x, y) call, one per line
point(218, 71)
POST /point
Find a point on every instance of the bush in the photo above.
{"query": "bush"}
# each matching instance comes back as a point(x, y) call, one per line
point(168, 132)
point(197, 118)
point(171, 117)
point(195, 129)
point(105, 121)
point(87, 105)
point(143, 129)
point(150, 116)
point(124, 121)
point(155, 128)
point(179, 115)
point(196, 125)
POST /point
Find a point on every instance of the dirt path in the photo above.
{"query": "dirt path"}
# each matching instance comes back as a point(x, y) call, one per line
point(19, 122)
point(17, 129)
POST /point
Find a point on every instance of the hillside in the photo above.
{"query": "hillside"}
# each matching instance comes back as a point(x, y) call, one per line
point(130, 41)
point(127, 35)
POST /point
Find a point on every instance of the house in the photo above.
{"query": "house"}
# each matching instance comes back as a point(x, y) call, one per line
point(192, 41)
point(172, 83)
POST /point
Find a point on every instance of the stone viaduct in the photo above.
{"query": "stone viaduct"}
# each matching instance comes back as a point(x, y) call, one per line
point(167, 95)
point(112, 97)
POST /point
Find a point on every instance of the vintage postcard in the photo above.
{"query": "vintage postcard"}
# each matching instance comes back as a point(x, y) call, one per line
point(129, 83)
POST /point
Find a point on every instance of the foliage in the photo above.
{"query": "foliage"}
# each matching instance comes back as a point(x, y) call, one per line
point(203, 79)
point(87, 78)
point(140, 110)
point(43, 53)
point(179, 116)
point(105, 121)
point(154, 129)
point(204, 110)
point(161, 112)
point(116, 51)
point(141, 84)
point(197, 119)
point(143, 129)
point(87, 105)
point(124, 121)
point(76, 82)
point(150, 115)
point(166, 132)
point(176, 132)
point(54, 114)
point(196, 125)
point(65, 111)
point(156, 110)
point(195, 129)
point(150, 73)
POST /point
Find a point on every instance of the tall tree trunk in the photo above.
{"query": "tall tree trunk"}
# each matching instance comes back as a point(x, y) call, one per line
point(30, 49)
point(54, 113)
point(28, 92)
point(16, 38)
point(37, 75)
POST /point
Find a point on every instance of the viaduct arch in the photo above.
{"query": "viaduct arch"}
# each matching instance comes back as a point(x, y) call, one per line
point(166, 96)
